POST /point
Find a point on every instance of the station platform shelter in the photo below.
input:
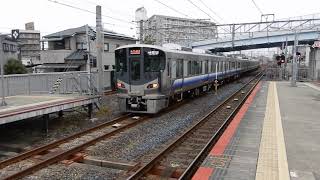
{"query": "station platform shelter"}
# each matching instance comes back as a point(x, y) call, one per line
point(275, 135)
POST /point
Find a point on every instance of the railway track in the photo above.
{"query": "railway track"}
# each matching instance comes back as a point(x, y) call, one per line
point(66, 148)
point(69, 148)
point(181, 158)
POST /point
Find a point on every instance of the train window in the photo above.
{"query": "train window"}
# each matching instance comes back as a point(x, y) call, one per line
point(213, 67)
point(206, 67)
point(189, 68)
point(179, 70)
point(121, 60)
point(154, 60)
point(239, 65)
point(195, 68)
point(233, 65)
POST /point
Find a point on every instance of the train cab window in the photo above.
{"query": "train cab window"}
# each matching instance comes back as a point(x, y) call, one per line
point(154, 60)
point(121, 60)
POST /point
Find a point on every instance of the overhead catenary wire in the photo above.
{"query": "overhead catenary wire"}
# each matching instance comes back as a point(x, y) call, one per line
point(104, 7)
point(255, 4)
point(88, 11)
point(215, 13)
point(212, 18)
point(173, 9)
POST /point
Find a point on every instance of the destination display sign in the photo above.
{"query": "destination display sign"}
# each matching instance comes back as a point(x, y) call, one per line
point(135, 52)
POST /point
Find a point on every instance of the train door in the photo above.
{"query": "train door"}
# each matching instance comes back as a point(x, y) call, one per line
point(179, 72)
point(206, 70)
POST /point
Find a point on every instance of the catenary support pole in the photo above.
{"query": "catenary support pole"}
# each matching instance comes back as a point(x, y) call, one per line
point(294, 61)
point(3, 100)
point(100, 39)
point(141, 31)
point(88, 59)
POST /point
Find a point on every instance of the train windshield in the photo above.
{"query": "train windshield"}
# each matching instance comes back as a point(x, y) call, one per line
point(154, 60)
point(121, 60)
point(135, 68)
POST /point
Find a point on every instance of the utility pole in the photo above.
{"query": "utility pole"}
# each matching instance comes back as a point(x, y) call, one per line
point(88, 57)
point(3, 101)
point(233, 35)
point(141, 31)
point(100, 39)
point(294, 61)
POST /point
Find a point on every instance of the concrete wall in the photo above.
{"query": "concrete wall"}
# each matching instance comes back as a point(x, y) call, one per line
point(43, 82)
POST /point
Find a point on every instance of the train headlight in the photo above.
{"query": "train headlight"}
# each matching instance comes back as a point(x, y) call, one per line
point(121, 85)
point(153, 86)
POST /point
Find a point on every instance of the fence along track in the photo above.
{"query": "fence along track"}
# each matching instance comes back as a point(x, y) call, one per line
point(220, 117)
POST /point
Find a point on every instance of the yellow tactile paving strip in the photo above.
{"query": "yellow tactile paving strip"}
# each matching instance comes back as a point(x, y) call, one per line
point(272, 161)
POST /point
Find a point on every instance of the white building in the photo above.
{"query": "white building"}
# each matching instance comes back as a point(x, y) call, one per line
point(159, 30)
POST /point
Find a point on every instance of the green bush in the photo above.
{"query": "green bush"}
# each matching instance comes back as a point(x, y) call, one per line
point(14, 66)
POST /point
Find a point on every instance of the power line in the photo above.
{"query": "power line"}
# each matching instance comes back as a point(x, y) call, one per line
point(211, 10)
point(104, 7)
point(88, 11)
point(202, 11)
point(172, 8)
point(257, 6)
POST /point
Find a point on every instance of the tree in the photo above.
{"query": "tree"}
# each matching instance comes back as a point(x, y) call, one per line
point(14, 66)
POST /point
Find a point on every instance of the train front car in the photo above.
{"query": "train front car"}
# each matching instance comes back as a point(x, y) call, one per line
point(140, 71)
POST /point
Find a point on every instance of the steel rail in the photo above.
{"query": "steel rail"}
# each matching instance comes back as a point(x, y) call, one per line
point(148, 166)
point(44, 148)
point(188, 173)
point(66, 153)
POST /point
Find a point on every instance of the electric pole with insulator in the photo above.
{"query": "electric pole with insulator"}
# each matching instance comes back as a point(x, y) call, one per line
point(100, 39)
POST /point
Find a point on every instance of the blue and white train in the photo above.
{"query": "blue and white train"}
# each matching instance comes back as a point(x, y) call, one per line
point(149, 77)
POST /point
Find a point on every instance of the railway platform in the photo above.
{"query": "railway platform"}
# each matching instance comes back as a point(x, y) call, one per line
point(27, 106)
point(273, 136)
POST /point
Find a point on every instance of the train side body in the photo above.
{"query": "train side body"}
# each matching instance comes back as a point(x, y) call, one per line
point(148, 77)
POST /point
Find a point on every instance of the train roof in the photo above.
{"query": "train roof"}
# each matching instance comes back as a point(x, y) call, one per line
point(173, 51)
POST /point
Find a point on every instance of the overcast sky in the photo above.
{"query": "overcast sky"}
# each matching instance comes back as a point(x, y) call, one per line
point(51, 17)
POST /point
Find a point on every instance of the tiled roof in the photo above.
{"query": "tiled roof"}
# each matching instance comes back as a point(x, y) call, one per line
point(82, 30)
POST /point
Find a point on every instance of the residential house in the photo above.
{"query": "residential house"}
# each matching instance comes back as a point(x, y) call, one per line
point(67, 50)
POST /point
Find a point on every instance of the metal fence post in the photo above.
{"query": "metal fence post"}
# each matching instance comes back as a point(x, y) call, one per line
point(29, 84)
point(8, 89)
point(47, 84)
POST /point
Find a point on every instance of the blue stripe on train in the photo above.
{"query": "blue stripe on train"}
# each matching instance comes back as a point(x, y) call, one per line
point(196, 80)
